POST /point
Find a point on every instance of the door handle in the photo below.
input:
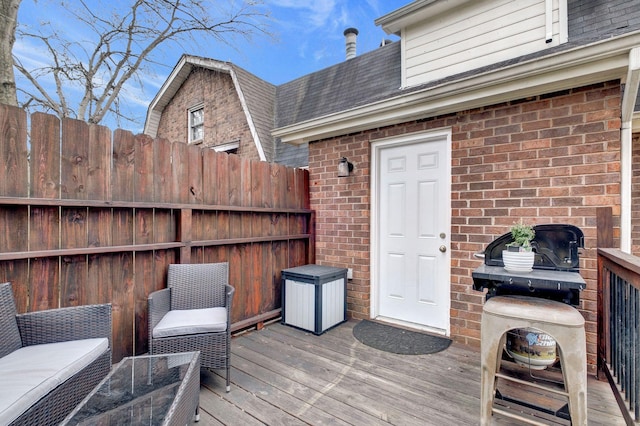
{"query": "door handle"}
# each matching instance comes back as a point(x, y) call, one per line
point(443, 248)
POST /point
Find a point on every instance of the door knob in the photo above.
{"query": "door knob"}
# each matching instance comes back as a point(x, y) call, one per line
point(443, 248)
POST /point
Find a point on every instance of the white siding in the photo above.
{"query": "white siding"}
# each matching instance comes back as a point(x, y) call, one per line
point(478, 34)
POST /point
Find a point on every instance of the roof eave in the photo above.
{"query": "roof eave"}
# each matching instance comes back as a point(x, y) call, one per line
point(597, 62)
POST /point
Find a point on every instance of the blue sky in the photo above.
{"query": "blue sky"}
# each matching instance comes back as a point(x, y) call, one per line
point(308, 36)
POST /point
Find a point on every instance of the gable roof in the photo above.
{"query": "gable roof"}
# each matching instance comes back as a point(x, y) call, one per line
point(256, 96)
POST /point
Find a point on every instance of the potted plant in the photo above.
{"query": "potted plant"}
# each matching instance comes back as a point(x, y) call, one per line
point(519, 256)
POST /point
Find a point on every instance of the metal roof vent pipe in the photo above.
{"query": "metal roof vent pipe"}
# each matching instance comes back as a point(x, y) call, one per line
point(350, 35)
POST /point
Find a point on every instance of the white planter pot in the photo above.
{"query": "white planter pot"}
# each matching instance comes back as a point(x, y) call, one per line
point(518, 261)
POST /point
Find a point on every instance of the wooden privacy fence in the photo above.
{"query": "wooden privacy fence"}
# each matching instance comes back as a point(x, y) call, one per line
point(87, 216)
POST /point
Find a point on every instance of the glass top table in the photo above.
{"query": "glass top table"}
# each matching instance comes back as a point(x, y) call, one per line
point(148, 389)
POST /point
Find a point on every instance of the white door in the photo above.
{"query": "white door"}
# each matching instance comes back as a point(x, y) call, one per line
point(413, 214)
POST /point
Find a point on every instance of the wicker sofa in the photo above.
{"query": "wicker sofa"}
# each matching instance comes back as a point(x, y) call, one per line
point(50, 360)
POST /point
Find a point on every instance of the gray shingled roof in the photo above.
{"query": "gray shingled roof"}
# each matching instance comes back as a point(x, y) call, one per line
point(597, 19)
point(260, 98)
point(358, 81)
point(292, 155)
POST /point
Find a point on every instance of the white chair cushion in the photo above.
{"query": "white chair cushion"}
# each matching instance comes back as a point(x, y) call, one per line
point(191, 321)
point(31, 372)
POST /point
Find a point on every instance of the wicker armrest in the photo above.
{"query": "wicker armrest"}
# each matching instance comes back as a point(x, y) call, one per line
point(229, 290)
point(159, 304)
point(64, 324)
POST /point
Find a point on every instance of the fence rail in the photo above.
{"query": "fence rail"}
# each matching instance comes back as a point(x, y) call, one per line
point(90, 216)
point(619, 331)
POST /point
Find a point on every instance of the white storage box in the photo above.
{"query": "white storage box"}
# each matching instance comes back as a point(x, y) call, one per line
point(314, 297)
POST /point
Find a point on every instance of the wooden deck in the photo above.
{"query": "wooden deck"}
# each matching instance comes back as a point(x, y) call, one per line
point(285, 376)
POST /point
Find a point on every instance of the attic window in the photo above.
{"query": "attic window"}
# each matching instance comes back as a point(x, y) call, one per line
point(196, 124)
point(229, 147)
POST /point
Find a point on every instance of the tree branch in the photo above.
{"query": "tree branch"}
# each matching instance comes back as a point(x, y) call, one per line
point(123, 45)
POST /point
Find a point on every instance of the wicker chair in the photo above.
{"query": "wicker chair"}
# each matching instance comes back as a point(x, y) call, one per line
point(53, 326)
point(194, 314)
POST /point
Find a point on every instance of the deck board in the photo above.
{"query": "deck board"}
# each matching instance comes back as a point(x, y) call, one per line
point(282, 375)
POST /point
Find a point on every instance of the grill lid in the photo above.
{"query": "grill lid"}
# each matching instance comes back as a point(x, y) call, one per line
point(556, 247)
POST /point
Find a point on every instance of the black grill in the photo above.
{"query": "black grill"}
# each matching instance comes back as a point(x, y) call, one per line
point(555, 271)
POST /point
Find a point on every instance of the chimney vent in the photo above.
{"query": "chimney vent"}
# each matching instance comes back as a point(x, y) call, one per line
point(350, 35)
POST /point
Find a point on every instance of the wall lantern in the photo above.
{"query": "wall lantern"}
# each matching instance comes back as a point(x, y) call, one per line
point(344, 167)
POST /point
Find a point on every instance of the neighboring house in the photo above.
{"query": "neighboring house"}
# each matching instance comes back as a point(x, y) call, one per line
point(220, 106)
point(486, 112)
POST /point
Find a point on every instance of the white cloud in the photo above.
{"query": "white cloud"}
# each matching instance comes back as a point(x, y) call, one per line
point(311, 14)
point(302, 49)
point(375, 6)
point(320, 54)
point(315, 27)
point(30, 55)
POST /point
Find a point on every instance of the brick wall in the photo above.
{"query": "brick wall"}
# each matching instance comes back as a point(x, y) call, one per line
point(342, 219)
point(546, 159)
point(224, 119)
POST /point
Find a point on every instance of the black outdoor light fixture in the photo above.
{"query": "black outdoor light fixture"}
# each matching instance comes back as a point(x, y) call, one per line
point(344, 167)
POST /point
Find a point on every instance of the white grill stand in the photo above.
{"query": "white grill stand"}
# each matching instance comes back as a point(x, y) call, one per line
point(563, 322)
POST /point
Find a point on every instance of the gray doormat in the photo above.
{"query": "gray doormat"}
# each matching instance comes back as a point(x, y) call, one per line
point(398, 340)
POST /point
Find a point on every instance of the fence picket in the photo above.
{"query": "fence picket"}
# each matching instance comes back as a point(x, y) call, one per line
point(13, 152)
point(74, 164)
point(123, 165)
point(45, 156)
point(99, 176)
point(144, 170)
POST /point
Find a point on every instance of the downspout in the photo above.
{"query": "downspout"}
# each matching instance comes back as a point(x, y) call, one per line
point(626, 150)
point(549, 20)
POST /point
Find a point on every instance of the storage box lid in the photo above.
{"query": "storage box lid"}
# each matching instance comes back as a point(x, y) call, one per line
point(314, 271)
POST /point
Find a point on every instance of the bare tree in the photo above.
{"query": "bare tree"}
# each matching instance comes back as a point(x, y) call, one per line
point(8, 19)
point(121, 46)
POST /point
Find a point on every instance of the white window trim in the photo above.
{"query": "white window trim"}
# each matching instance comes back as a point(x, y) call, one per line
point(190, 126)
point(229, 146)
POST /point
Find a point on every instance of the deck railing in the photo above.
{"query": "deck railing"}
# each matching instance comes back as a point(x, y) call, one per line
point(618, 328)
